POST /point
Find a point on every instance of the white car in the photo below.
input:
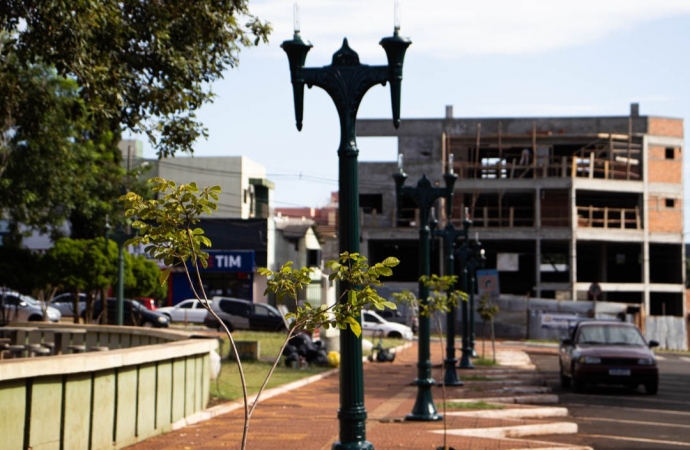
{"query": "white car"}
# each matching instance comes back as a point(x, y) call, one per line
point(374, 325)
point(18, 307)
point(190, 310)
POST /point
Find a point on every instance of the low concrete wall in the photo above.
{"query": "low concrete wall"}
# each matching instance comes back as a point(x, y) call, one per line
point(104, 400)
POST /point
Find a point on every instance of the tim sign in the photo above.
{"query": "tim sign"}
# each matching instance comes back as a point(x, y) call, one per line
point(230, 261)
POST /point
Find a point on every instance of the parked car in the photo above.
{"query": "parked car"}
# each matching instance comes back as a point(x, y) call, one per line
point(373, 323)
point(407, 317)
point(190, 310)
point(65, 304)
point(134, 313)
point(238, 314)
point(608, 352)
point(20, 308)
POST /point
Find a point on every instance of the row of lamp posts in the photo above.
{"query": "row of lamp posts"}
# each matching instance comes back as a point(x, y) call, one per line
point(471, 257)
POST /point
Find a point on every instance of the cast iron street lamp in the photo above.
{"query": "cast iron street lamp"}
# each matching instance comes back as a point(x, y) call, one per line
point(121, 234)
point(449, 234)
point(424, 195)
point(463, 254)
point(346, 81)
point(475, 262)
point(471, 254)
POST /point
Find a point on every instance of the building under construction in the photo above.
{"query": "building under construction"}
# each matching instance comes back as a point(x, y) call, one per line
point(558, 203)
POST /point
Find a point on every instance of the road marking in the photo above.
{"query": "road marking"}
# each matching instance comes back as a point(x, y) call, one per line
point(660, 358)
point(630, 439)
point(637, 422)
point(684, 358)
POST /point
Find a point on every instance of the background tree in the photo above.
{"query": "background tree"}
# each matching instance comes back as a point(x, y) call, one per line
point(487, 311)
point(83, 265)
point(46, 164)
point(20, 269)
point(74, 75)
point(146, 277)
point(142, 65)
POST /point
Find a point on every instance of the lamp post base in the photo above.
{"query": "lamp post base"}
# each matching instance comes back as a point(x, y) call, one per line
point(362, 445)
point(424, 409)
point(450, 376)
point(465, 362)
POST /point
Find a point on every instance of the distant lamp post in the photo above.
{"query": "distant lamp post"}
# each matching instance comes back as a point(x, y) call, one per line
point(346, 81)
point(471, 254)
point(475, 262)
point(449, 234)
point(121, 234)
point(424, 195)
point(463, 254)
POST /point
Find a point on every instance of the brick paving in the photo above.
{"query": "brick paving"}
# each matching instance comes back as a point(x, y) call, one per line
point(306, 418)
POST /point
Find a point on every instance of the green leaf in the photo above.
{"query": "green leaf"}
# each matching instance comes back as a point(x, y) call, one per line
point(354, 325)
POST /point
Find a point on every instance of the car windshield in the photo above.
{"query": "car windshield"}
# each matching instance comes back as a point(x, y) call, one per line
point(609, 335)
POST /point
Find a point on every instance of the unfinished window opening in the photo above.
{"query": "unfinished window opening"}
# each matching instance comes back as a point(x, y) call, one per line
point(495, 210)
point(670, 203)
point(407, 215)
point(616, 211)
point(670, 153)
point(370, 203)
point(555, 262)
point(313, 258)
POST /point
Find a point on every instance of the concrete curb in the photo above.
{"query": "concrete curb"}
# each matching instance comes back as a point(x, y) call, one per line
point(514, 413)
point(539, 399)
point(516, 431)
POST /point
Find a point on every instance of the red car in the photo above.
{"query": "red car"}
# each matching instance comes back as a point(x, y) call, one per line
point(608, 352)
point(149, 303)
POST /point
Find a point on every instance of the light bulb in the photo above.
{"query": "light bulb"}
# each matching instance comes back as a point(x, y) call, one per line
point(396, 15)
point(295, 18)
point(450, 162)
point(400, 162)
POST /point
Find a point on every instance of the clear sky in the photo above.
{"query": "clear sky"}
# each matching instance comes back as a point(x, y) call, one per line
point(487, 58)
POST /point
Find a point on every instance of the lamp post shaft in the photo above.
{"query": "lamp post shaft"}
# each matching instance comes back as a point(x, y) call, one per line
point(424, 408)
point(120, 283)
point(465, 256)
point(449, 235)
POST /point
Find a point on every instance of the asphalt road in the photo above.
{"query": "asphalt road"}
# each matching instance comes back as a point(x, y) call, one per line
point(610, 417)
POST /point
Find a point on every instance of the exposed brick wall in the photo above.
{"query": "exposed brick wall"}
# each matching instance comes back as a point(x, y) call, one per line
point(662, 170)
point(664, 219)
point(665, 127)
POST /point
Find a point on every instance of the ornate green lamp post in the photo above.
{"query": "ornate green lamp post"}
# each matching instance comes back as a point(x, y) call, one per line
point(475, 262)
point(449, 234)
point(121, 234)
point(346, 81)
point(424, 195)
point(464, 253)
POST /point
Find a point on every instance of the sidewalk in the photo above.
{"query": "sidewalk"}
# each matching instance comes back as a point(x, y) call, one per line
point(303, 415)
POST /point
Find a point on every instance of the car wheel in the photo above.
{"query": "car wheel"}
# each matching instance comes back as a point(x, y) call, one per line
point(651, 387)
point(228, 325)
point(35, 318)
point(577, 384)
point(168, 316)
point(395, 335)
point(147, 324)
point(565, 380)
